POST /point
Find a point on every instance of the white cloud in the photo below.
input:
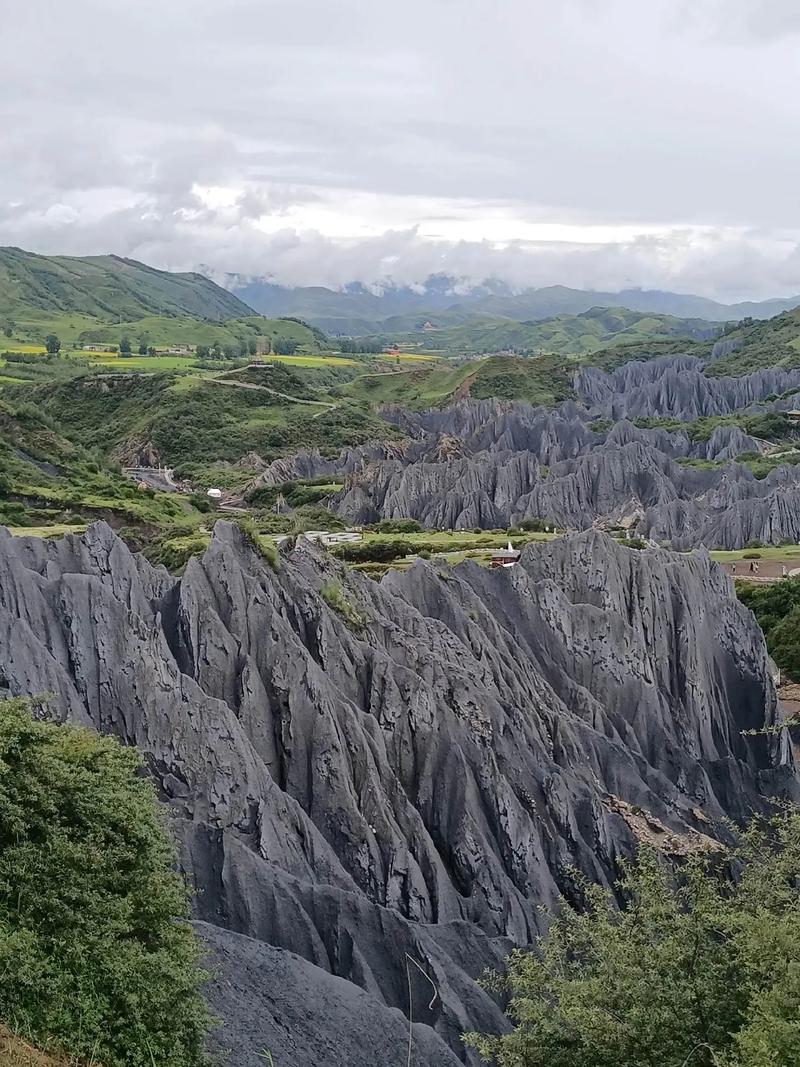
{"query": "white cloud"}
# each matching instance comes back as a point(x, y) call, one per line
point(605, 143)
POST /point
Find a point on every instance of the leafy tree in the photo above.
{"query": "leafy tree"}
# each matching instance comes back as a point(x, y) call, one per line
point(232, 351)
point(285, 346)
point(8, 328)
point(94, 952)
point(375, 551)
point(125, 347)
point(52, 344)
point(151, 351)
point(695, 969)
point(202, 352)
point(252, 348)
point(399, 526)
point(142, 346)
point(216, 351)
point(777, 609)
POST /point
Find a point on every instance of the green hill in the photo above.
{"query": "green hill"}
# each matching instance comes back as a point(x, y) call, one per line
point(537, 380)
point(444, 300)
point(184, 330)
point(50, 480)
point(774, 343)
point(568, 335)
point(201, 424)
point(106, 287)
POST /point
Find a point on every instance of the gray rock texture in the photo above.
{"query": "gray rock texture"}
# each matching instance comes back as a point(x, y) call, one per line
point(417, 786)
point(490, 464)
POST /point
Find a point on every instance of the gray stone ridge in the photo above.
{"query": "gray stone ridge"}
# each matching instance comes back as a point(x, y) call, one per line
point(489, 464)
point(415, 777)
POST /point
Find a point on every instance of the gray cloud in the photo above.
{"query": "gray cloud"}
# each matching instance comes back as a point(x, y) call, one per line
point(318, 142)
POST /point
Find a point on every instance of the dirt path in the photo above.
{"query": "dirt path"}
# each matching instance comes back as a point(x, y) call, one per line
point(769, 570)
point(274, 392)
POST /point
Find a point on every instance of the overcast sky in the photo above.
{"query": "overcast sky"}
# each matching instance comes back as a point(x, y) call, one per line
point(595, 143)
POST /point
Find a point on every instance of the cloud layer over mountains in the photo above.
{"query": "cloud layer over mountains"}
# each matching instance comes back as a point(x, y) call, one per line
point(592, 144)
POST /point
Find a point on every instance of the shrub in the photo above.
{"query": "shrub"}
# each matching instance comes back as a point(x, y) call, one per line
point(398, 526)
point(264, 546)
point(94, 950)
point(333, 595)
point(374, 551)
point(694, 970)
point(175, 552)
point(751, 555)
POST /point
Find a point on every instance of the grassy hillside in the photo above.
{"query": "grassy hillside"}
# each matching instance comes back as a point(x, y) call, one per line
point(106, 287)
point(540, 380)
point(196, 423)
point(774, 343)
point(77, 330)
point(49, 480)
point(567, 335)
point(609, 359)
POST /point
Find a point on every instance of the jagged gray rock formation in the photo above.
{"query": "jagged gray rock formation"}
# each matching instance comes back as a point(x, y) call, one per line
point(420, 785)
point(489, 464)
point(675, 386)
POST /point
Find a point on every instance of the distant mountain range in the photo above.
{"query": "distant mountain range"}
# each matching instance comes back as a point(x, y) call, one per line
point(442, 301)
point(106, 288)
point(569, 335)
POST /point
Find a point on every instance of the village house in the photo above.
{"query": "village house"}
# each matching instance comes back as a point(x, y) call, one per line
point(505, 557)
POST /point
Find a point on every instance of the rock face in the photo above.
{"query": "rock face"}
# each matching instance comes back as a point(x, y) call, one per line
point(675, 386)
point(488, 463)
point(414, 788)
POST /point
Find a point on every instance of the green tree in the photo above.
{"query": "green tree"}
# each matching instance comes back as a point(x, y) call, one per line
point(151, 351)
point(777, 609)
point(696, 969)
point(125, 347)
point(142, 346)
point(285, 346)
point(202, 352)
point(252, 348)
point(52, 344)
point(94, 950)
point(8, 328)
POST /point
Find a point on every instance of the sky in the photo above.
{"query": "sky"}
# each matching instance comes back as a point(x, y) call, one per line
point(592, 143)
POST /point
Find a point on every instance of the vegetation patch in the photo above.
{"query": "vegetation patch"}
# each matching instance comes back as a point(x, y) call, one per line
point(95, 952)
point(695, 968)
point(776, 607)
point(333, 595)
point(264, 546)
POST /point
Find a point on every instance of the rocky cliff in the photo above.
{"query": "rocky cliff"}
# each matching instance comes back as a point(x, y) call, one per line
point(369, 779)
point(491, 464)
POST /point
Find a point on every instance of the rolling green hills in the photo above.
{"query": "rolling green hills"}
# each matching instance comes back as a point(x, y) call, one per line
point(543, 380)
point(774, 343)
point(568, 335)
point(106, 287)
point(201, 424)
point(444, 301)
point(103, 299)
point(50, 480)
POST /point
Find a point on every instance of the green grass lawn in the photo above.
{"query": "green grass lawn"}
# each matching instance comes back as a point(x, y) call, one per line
point(770, 552)
point(56, 530)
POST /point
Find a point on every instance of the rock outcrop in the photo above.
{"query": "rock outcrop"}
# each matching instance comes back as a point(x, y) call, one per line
point(489, 464)
point(411, 778)
point(675, 386)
